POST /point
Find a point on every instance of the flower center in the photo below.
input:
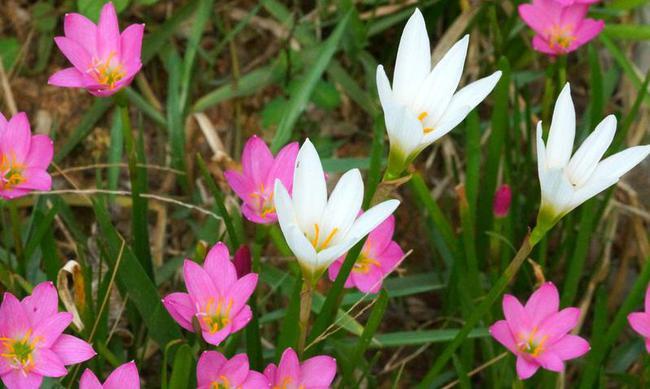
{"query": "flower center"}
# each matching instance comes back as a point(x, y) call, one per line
point(107, 72)
point(19, 353)
point(531, 344)
point(217, 316)
point(364, 263)
point(561, 37)
point(318, 245)
point(265, 204)
point(11, 173)
point(223, 383)
point(287, 384)
point(421, 117)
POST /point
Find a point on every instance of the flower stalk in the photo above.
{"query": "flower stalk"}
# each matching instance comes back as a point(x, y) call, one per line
point(306, 297)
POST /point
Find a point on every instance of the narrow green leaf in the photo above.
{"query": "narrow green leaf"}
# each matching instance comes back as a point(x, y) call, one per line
point(635, 32)
point(183, 369)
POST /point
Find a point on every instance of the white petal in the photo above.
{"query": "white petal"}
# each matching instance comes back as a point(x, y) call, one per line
point(300, 246)
point(343, 206)
point(383, 87)
point(283, 207)
point(558, 191)
point(309, 187)
point(563, 130)
point(438, 88)
point(413, 59)
point(331, 254)
point(584, 161)
point(610, 170)
point(404, 130)
point(463, 102)
point(541, 155)
point(370, 220)
point(296, 240)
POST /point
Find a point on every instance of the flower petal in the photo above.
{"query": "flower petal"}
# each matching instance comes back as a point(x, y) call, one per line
point(550, 361)
point(108, 32)
point(256, 161)
point(50, 328)
point(526, 369)
point(371, 219)
point(89, 381)
point(542, 303)
point(289, 367)
point(501, 332)
point(236, 369)
point(48, 364)
point(559, 144)
point(283, 166)
point(209, 367)
point(81, 30)
point(300, 246)
point(74, 52)
point(68, 78)
point(255, 380)
point(41, 151)
point(220, 268)
point(17, 138)
point(16, 379)
point(309, 187)
point(342, 207)
point(535, 17)
point(640, 322)
point(585, 160)
point(318, 371)
point(124, 377)
point(242, 290)
point(588, 30)
point(413, 61)
point(15, 321)
point(515, 314)
point(199, 284)
point(570, 347)
point(558, 324)
point(131, 43)
point(73, 350)
point(42, 303)
point(181, 309)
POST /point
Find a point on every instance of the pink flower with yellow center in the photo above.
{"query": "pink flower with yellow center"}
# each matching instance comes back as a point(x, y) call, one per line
point(640, 321)
point(255, 184)
point(216, 299)
point(538, 333)
point(32, 343)
point(23, 158)
point(124, 377)
point(379, 257)
point(559, 28)
point(214, 371)
point(314, 373)
point(103, 60)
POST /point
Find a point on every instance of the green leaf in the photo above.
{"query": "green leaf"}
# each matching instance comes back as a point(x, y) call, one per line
point(92, 8)
point(44, 16)
point(183, 369)
point(298, 101)
point(635, 32)
point(9, 48)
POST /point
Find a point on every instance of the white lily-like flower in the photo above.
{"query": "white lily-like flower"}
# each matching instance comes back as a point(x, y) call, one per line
point(568, 181)
point(319, 230)
point(423, 104)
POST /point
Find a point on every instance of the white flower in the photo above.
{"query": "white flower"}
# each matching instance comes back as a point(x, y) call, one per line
point(423, 104)
point(567, 181)
point(319, 230)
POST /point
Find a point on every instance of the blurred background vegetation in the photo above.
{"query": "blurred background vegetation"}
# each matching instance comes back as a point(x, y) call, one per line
point(217, 72)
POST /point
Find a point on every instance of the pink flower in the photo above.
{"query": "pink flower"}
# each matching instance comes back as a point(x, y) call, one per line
point(216, 298)
point(640, 321)
point(124, 377)
point(559, 29)
point(23, 158)
point(215, 371)
point(254, 185)
point(315, 373)
point(104, 61)
point(572, 2)
point(32, 343)
point(537, 333)
point(380, 256)
point(502, 199)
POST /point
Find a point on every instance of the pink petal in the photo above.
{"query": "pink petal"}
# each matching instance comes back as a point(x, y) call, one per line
point(558, 324)
point(515, 314)
point(15, 321)
point(17, 380)
point(254, 216)
point(236, 369)
point(289, 367)
point(36, 179)
point(283, 167)
point(570, 347)
point(535, 17)
point(48, 364)
point(542, 46)
point(108, 32)
point(550, 361)
point(68, 78)
point(41, 151)
point(334, 269)
point(242, 290)
point(242, 319)
point(381, 236)
point(74, 52)
point(256, 161)
point(124, 377)
point(50, 328)
point(269, 373)
point(209, 367)
point(574, 15)
point(217, 337)
point(588, 30)
point(132, 43)
point(240, 184)
point(526, 369)
point(16, 138)
point(390, 258)
point(255, 380)
point(13, 193)
point(42, 303)
point(542, 303)
point(501, 332)
point(3, 124)
point(220, 268)
point(89, 381)
point(81, 30)
point(647, 345)
point(318, 371)
point(181, 309)
point(72, 350)
point(640, 322)
point(369, 282)
point(198, 283)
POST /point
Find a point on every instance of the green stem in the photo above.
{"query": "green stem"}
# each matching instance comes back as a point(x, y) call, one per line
point(492, 296)
point(18, 240)
point(306, 296)
point(561, 71)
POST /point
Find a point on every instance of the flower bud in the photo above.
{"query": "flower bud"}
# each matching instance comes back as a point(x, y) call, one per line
point(502, 199)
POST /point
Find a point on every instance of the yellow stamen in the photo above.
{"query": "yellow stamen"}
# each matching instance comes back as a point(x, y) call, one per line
point(218, 318)
point(529, 344)
point(561, 37)
point(421, 118)
point(11, 172)
point(423, 115)
point(19, 353)
point(106, 74)
point(364, 264)
point(329, 238)
point(315, 241)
